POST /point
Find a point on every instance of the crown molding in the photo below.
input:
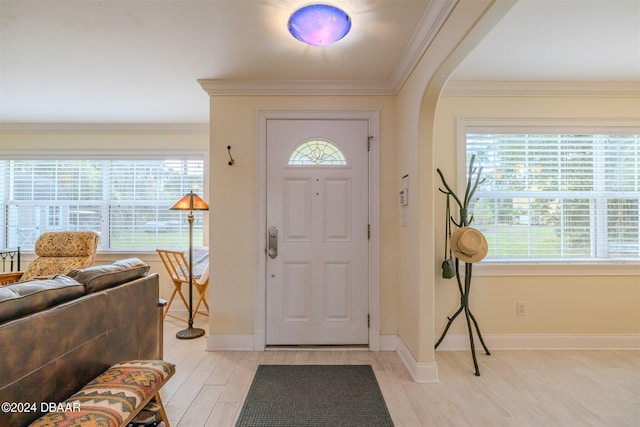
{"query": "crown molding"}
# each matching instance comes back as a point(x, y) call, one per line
point(104, 128)
point(453, 88)
point(221, 87)
point(432, 21)
point(625, 89)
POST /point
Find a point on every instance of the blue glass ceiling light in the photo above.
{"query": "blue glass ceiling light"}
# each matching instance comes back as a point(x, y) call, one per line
point(319, 24)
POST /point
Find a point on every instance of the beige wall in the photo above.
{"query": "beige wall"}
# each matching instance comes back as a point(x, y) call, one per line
point(417, 103)
point(594, 303)
point(234, 206)
point(143, 138)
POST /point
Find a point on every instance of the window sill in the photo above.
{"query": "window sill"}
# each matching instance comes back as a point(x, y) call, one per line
point(109, 257)
point(566, 268)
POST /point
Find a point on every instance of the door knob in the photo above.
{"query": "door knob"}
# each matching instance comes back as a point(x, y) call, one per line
point(272, 248)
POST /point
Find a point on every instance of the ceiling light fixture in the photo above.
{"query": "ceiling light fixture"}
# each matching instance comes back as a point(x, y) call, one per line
point(319, 24)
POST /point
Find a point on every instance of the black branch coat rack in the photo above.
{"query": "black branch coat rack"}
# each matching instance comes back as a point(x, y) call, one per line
point(473, 181)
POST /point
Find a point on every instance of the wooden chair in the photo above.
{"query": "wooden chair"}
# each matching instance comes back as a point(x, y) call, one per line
point(178, 268)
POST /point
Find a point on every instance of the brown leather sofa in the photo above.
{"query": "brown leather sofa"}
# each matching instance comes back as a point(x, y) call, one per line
point(95, 318)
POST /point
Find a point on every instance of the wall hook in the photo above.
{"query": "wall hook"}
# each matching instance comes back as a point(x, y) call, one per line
point(231, 161)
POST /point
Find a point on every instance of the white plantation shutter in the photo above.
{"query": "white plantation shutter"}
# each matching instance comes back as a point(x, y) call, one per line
point(126, 201)
point(558, 196)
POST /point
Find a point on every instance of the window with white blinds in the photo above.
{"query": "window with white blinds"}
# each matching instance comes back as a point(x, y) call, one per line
point(558, 196)
point(126, 201)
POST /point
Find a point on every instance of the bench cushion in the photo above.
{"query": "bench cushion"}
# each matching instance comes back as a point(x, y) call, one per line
point(112, 398)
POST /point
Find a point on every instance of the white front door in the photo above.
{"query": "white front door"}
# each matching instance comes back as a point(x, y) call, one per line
point(317, 232)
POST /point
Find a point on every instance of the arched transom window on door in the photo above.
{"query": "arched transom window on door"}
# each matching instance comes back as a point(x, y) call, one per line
point(317, 152)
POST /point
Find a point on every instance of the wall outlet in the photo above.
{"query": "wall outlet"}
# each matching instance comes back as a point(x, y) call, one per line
point(521, 308)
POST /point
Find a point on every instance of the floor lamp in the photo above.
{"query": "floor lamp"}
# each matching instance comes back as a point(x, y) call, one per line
point(190, 202)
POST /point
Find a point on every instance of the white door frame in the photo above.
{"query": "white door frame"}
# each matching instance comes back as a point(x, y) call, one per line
point(260, 306)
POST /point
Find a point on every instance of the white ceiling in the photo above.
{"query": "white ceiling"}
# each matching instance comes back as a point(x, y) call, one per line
point(138, 61)
point(560, 40)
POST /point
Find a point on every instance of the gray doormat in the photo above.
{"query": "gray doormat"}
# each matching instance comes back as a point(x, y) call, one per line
point(314, 395)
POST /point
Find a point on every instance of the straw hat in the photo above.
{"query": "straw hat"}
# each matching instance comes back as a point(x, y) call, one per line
point(469, 245)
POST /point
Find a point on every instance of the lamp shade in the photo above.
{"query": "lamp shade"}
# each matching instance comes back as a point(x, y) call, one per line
point(319, 24)
point(190, 202)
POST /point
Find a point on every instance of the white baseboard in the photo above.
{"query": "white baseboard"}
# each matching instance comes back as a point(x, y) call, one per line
point(230, 342)
point(428, 372)
point(420, 372)
point(544, 342)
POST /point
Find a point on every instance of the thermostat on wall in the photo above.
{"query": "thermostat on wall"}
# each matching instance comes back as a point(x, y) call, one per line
point(404, 191)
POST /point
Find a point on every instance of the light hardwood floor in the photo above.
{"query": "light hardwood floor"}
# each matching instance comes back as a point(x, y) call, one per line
point(516, 388)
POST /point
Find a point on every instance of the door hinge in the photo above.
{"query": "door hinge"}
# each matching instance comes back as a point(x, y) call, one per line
point(369, 139)
point(368, 320)
point(369, 231)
